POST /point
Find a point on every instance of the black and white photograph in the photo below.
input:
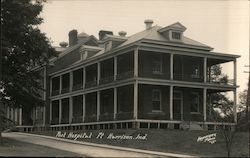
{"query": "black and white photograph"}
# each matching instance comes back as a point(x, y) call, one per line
point(124, 78)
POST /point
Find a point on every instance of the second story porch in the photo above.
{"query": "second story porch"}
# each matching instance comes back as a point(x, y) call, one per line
point(147, 64)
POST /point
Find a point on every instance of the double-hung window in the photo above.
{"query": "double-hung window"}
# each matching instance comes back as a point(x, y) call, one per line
point(157, 65)
point(156, 100)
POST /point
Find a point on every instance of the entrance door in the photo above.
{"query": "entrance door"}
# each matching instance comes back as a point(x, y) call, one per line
point(177, 106)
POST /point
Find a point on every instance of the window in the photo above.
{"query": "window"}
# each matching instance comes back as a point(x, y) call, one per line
point(194, 102)
point(156, 100)
point(176, 35)
point(157, 65)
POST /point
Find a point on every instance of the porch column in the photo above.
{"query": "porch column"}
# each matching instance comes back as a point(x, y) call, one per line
point(44, 93)
point(115, 102)
point(20, 116)
point(83, 107)
point(235, 105)
point(50, 82)
point(135, 114)
point(205, 104)
point(70, 109)
point(70, 81)
point(15, 115)
point(44, 115)
point(171, 102)
point(60, 111)
point(136, 62)
point(171, 66)
point(50, 111)
point(98, 105)
point(98, 72)
point(84, 78)
point(235, 72)
point(60, 85)
point(11, 114)
point(8, 112)
point(33, 115)
point(115, 67)
point(205, 69)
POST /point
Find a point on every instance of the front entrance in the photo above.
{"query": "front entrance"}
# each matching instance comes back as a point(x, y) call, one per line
point(177, 106)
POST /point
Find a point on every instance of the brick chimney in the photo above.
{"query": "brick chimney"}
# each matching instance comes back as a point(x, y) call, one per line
point(102, 34)
point(72, 37)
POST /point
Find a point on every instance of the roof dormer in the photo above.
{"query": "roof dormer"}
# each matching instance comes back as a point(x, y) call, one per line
point(173, 32)
point(89, 51)
point(111, 41)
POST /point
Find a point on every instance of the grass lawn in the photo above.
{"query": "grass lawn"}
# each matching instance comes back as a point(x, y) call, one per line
point(176, 141)
point(11, 147)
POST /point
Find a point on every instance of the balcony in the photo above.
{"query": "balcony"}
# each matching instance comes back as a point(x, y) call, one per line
point(125, 75)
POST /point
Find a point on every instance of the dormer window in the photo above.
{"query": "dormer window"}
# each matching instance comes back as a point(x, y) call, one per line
point(173, 32)
point(176, 35)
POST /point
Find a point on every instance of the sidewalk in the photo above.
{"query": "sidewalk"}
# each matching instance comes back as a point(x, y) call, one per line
point(84, 148)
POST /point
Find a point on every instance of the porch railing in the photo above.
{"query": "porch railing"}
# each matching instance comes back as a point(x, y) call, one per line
point(188, 77)
point(125, 75)
point(55, 92)
point(90, 84)
point(106, 79)
point(77, 87)
point(155, 74)
point(222, 82)
point(65, 90)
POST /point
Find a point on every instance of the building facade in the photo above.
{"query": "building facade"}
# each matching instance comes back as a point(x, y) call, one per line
point(157, 78)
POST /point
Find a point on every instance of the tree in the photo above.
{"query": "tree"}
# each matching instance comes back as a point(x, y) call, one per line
point(242, 100)
point(23, 46)
point(221, 108)
point(219, 100)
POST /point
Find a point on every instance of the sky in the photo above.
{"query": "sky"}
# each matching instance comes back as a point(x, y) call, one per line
point(223, 25)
